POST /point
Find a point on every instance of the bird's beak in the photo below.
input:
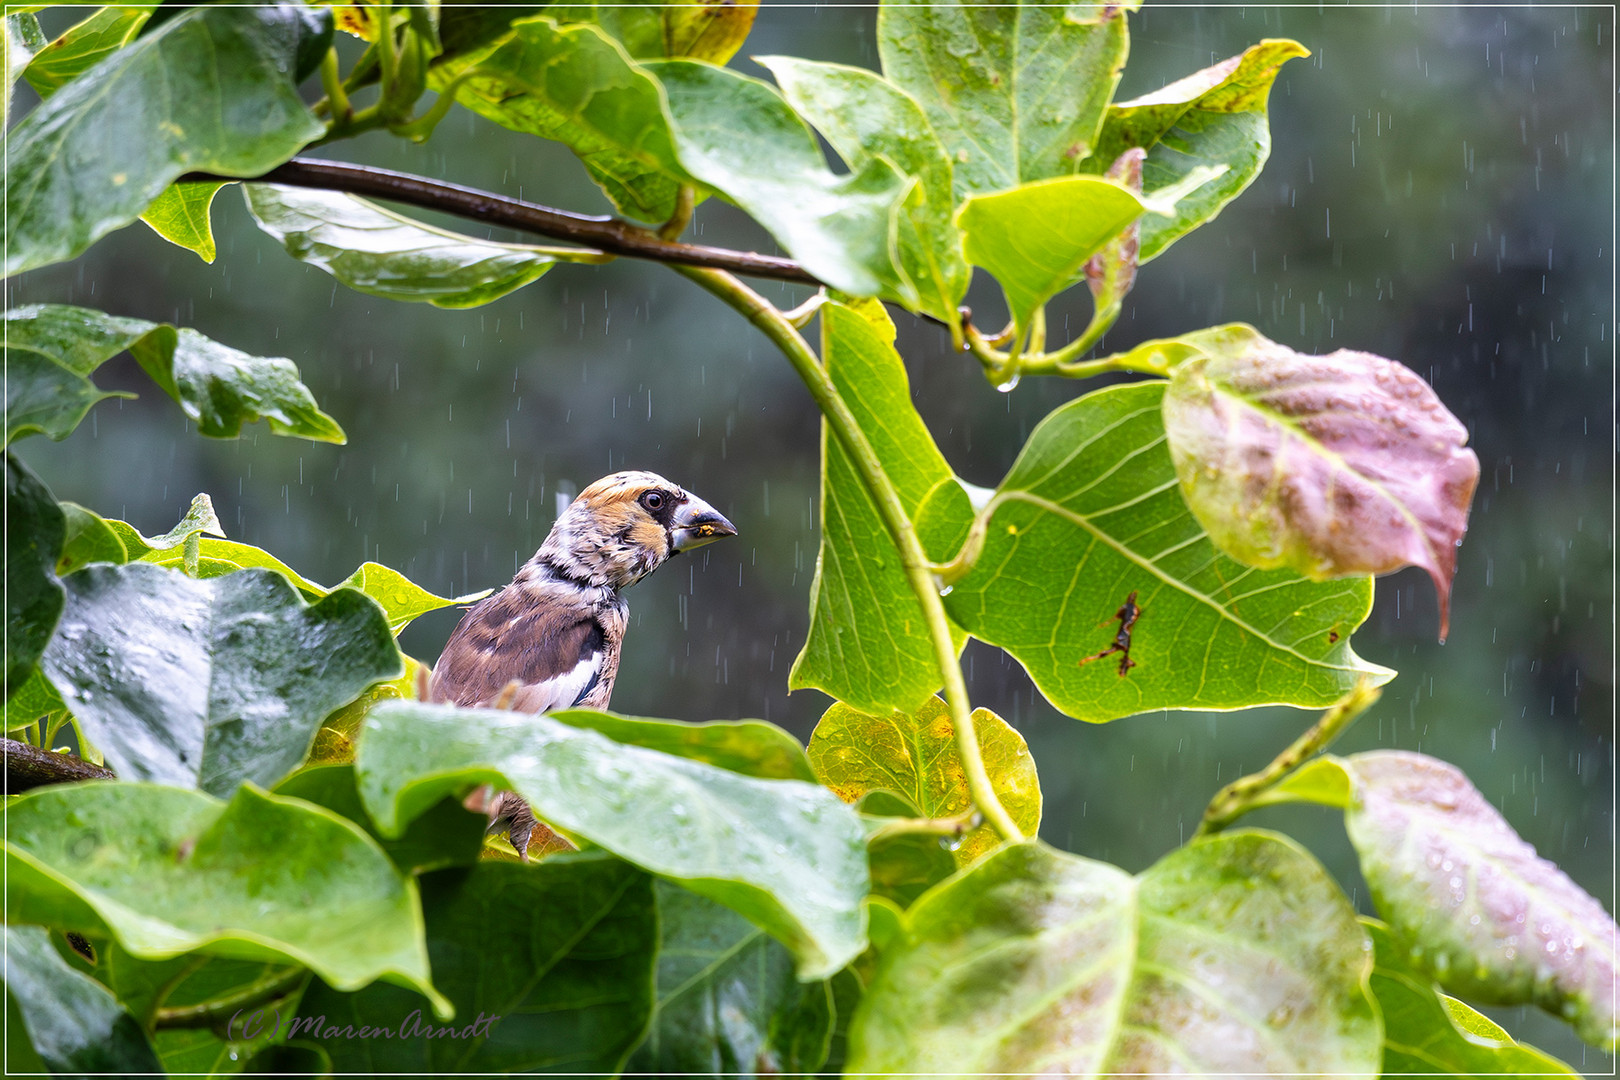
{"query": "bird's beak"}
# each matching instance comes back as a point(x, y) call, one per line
point(697, 523)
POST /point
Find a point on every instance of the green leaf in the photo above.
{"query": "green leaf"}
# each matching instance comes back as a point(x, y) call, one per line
point(1036, 239)
point(1089, 514)
point(181, 216)
point(1330, 465)
point(1426, 1032)
point(218, 557)
point(20, 38)
point(212, 90)
point(549, 968)
point(1323, 781)
point(1212, 118)
point(385, 254)
point(785, 854)
point(750, 747)
point(728, 1001)
point(87, 539)
point(34, 700)
point(576, 85)
point(209, 683)
point(738, 136)
point(401, 599)
point(73, 1023)
point(34, 596)
point(1016, 91)
point(1237, 954)
point(711, 30)
point(1483, 914)
point(51, 350)
point(915, 755)
point(447, 835)
point(166, 871)
point(866, 117)
point(868, 643)
point(83, 46)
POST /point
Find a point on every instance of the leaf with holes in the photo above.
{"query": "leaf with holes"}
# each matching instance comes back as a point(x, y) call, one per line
point(1237, 954)
point(1089, 515)
point(1329, 465)
point(1480, 911)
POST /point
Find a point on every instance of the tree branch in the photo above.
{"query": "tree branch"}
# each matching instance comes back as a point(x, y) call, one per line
point(30, 767)
point(604, 234)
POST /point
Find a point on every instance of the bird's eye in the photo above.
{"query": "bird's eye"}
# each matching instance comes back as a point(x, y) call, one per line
point(652, 500)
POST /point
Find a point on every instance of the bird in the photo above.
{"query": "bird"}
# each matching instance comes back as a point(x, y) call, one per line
point(551, 639)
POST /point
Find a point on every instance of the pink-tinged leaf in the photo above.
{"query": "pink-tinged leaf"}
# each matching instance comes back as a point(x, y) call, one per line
point(1112, 271)
point(1481, 912)
point(1332, 465)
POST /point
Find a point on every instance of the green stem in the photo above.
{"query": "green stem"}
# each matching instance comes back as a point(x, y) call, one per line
point(337, 100)
point(949, 826)
point(919, 572)
point(1245, 793)
point(218, 1011)
point(685, 201)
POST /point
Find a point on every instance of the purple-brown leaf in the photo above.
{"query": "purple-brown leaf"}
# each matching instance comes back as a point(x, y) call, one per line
point(1332, 465)
point(1482, 913)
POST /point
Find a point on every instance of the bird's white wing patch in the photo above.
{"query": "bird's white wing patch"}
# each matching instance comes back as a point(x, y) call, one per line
point(559, 691)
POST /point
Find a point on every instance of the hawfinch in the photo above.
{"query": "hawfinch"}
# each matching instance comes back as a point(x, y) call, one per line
point(551, 639)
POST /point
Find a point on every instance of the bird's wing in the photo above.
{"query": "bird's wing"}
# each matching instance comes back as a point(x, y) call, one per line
point(555, 652)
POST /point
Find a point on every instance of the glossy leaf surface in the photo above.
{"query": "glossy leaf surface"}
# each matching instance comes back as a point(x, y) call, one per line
point(1089, 514)
point(401, 599)
point(786, 854)
point(750, 747)
point(181, 216)
point(73, 1023)
point(84, 45)
point(20, 39)
point(1489, 918)
point(167, 871)
point(208, 683)
point(1329, 465)
point(34, 596)
point(1236, 954)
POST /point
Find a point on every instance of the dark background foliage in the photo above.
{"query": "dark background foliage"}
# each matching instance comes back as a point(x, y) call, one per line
point(1440, 191)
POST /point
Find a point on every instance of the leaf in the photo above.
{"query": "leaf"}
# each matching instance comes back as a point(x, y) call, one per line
point(576, 85)
point(180, 216)
point(738, 136)
point(1484, 914)
point(1089, 514)
point(1213, 118)
point(72, 1022)
point(166, 871)
point(549, 968)
point(212, 90)
point(51, 350)
point(21, 38)
point(401, 599)
point(209, 683)
point(711, 30)
point(1016, 91)
point(1428, 1033)
point(1036, 239)
point(728, 1001)
point(749, 747)
point(385, 254)
point(87, 538)
point(218, 557)
point(868, 643)
point(34, 700)
point(915, 755)
point(83, 46)
point(785, 854)
point(447, 835)
point(1237, 954)
point(34, 596)
point(867, 118)
point(1329, 465)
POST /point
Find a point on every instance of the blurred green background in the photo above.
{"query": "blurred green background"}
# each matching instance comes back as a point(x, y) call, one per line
point(1440, 191)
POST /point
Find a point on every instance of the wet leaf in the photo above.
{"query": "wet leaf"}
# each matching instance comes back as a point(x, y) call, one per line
point(34, 700)
point(213, 90)
point(915, 755)
point(1330, 465)
point(868, 643)
point(1236, 954)
point(208, 683)
point(181, 216)
point(738, 136)
point(1037, 238)
point(562, 953)
point(447, 835)
point(866, 117)
point(218, 557)
point(785, 854)
point(20, 38)
point(728, 1001)
point(1089, 514)
point(401, 599)
point(1016, 91)
point(84, 45)
point(1212, 119)
point(166, 871)
point(1428, 1033)
point(52, 349)
point(711, 30)
point(73, 1023)
point(87, 539)
point(34, 596)
point(1483, 914)
point(750, 747)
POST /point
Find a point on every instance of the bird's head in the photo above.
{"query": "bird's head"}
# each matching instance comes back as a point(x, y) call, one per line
point(624, 526)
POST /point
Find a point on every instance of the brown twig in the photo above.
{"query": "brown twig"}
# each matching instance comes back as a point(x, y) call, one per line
point(30, 767)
